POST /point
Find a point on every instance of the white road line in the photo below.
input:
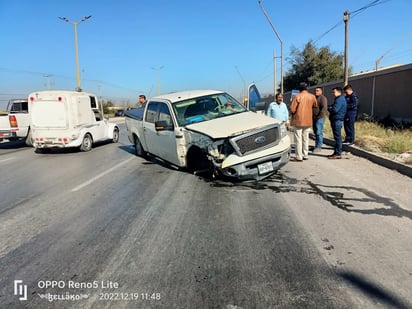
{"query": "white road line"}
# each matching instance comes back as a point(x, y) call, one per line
point(8, 159)
point(84, 184)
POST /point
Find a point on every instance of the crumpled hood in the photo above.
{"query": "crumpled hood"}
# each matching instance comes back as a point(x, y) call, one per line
point(232, 125)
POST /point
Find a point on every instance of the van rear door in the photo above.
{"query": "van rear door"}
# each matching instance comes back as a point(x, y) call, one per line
point(49, 114)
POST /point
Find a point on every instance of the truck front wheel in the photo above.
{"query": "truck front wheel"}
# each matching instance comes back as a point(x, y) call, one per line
point(87, 143)
point(197, 162)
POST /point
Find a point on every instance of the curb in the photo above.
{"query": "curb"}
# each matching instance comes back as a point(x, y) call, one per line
point(385, 162)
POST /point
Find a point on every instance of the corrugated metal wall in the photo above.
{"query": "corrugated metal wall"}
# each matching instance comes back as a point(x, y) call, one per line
point(383, 93)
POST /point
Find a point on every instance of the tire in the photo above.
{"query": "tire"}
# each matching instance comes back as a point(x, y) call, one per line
point(197, 162)
point(115, 135)
point(29, 141)
point(87, 143)
point(138, 148)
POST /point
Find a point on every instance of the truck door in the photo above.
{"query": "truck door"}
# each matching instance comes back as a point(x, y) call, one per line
point(161, 143)
point(255, 102)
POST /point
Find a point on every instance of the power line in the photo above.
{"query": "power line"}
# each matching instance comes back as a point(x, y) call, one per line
point(353, 14)
point(67, 77)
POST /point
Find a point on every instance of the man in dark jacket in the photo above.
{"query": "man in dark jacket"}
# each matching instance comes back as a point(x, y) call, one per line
point(352, 102)
point(337, 112)
point(319, 114)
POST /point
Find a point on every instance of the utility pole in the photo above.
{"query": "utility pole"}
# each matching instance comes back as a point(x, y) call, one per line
point(281, 45)
point(48, 84)
point(346, 66)
point(76, 46)
point(244, 84)
point(274, 73)
point(158, 77)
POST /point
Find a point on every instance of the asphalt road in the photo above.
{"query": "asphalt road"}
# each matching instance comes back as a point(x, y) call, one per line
point(111, 230)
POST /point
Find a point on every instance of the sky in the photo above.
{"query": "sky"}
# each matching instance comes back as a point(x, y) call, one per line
point(132, 47)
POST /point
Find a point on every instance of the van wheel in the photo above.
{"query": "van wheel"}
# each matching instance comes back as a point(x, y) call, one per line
point(87, 143)
point(29, 141)
point(138, 148)
point(115, 135)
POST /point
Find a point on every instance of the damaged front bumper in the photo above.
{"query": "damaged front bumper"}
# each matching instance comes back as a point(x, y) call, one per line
point(257, 169)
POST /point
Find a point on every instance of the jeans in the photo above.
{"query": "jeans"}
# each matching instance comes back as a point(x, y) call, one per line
point(302, 142)
point(318, 130)
point(337, 135)
point(349, 125)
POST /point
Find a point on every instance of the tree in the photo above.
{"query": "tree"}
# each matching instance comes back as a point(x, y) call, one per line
point(106, 106)
point(314, 66)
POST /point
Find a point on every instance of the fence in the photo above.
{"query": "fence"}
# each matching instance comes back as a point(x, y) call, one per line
point(382, 94)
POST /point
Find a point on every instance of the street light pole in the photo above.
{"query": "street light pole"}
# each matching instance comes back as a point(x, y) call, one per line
point(244, 84)
point(76, 46)
point(281, 45)
point(158, 77)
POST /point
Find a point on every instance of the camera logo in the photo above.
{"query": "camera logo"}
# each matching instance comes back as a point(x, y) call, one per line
point(20, 289)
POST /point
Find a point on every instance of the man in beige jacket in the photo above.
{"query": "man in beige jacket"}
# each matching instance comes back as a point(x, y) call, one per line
point(301, 109)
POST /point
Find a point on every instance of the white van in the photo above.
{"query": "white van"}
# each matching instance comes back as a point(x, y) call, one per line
point(61, 118)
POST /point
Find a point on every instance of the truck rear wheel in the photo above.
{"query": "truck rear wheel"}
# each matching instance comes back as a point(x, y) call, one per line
point(87, 143)
point(138, 148)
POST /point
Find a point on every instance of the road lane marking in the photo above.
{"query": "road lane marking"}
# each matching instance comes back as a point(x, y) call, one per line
point(8, 159)
point(86, 183)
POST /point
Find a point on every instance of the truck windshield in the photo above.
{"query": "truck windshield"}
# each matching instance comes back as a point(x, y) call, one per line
point(206, 108)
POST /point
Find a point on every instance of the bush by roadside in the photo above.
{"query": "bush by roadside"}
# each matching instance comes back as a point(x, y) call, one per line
point(373, 137)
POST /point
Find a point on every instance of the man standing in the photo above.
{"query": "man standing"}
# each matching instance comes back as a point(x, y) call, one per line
point(301, 109)
point(319, 114)
point(337, 113)
point(142, 100)
point(352, 102)
point(279, 110)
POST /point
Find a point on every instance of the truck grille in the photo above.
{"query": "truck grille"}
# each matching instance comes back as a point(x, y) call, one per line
point(256, 140)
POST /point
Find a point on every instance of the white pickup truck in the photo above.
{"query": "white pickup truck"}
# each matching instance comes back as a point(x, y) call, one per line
point(15, 122)
point(61, 118)
point(208, 130)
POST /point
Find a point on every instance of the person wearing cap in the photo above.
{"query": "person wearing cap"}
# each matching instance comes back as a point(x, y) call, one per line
point(279, 110)
point(301, 109)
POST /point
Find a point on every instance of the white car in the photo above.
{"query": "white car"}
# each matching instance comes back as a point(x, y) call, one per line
point(208, 130)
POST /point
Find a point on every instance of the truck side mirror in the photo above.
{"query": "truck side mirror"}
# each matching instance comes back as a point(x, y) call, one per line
point(260, 107)
point(163, 125)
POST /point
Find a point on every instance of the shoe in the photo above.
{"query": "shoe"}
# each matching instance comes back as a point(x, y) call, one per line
point(334, 157)
point(295, 160)
point(305, 158)
point(347, 143)
point(317, 150)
